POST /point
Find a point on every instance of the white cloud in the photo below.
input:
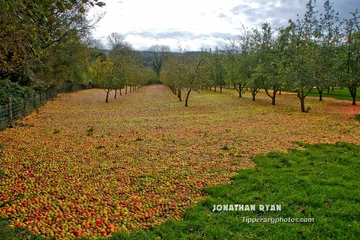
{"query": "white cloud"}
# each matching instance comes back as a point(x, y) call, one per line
point(193, 22)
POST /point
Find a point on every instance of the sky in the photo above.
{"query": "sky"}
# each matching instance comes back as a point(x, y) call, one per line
point(196, 24)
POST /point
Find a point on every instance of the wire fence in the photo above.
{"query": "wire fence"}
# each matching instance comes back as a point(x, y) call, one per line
point(18, 108)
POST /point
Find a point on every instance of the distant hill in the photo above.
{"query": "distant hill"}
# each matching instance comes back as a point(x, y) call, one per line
point(147, 56)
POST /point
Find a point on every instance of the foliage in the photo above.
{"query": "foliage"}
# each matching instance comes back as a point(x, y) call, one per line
point(216, 69)
point(70, 184)
point(13, 90)
point(302, 49)
point(183, 73)
point(314, 51)
point(71, 64)
point(120, 68)
point(159, 54)
point(349, 62)
point(149, 76)
point(32, 30)
point(232, 71)
point(328, 38)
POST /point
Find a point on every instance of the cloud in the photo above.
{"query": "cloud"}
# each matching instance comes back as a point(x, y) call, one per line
point(201, 23)
point(173, 34)
point(277, 13)
point(221, 15)
point(239, 9)
point(142, 40)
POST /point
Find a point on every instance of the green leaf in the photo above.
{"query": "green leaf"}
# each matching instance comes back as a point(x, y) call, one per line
point(68, 6)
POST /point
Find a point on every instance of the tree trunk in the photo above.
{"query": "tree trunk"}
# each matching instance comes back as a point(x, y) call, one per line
point(115, 93)
point(320, 90)
point(215, 88)
point(328, 90)
point(301, 96)
point(273, 96)
point(253, 93)
point(125, 89)
point(10, 111)
point(107, 95)
point(352, 90)
point(302, 102)
point(280, 91)
point(179, 94)
point(130, 88)
point(187, 98)
point(210, 87)
point(273, 102)
point(221, 88)
point(240, 91)
point(120, 92)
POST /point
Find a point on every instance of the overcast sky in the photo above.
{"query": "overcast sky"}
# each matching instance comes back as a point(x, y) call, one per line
point(197, 23)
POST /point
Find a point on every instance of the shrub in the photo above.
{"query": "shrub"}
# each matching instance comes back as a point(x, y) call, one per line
point(13, 90)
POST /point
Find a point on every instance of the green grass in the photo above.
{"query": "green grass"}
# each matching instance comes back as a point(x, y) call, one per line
point(340, 94)
point(8, 233)
point(321, 182)
point(357, 117)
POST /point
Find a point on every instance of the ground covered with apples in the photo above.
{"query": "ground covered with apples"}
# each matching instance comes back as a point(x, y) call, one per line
point(82, 167)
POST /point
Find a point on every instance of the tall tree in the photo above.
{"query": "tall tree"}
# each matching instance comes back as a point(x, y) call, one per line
point(119, 64)
point(349, 55)
point(246, 63)
point(29, 28)
point(232, 71)
point(328, 39)
point(254, 63)
point(102, 74)
point(195, 77)
point(216, 68)
point(269, 66)
point(182, 73)
point(302, 53)
point(159, 53)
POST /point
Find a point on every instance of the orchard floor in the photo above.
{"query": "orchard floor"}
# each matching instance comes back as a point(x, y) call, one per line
point(83, 167)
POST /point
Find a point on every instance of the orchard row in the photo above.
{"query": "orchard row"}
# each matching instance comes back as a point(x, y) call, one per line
point(317, 51)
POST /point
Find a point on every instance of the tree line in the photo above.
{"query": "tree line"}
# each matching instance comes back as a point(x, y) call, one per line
point(48, 43)
point(318, 51)
point(120, 69)
point(42, 42)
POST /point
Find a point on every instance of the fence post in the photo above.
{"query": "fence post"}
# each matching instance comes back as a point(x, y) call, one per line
point(34, 99)
point(25, 103)
point(10, 112)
